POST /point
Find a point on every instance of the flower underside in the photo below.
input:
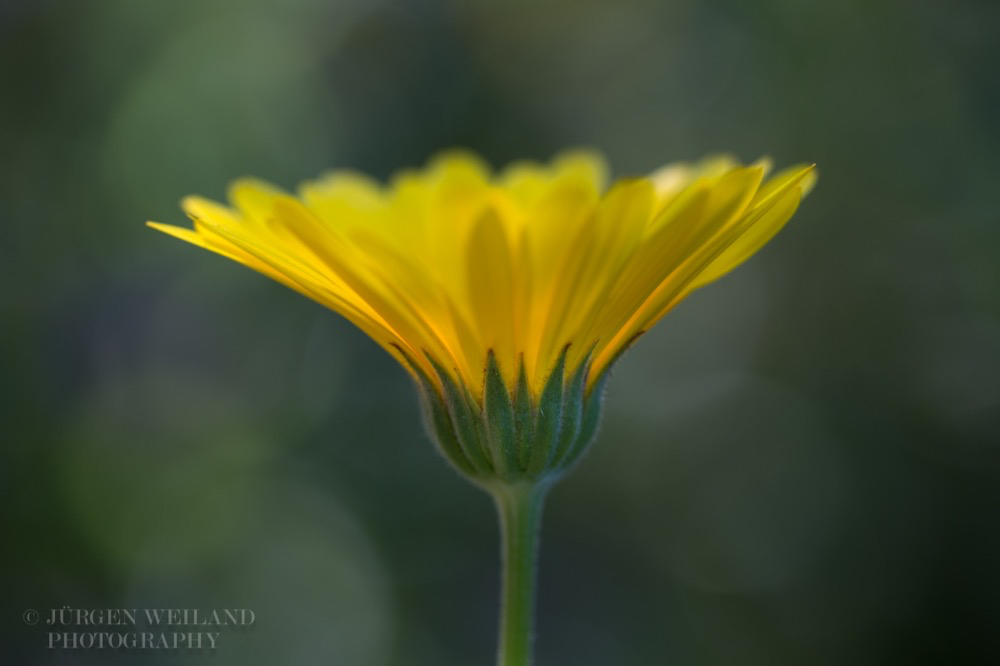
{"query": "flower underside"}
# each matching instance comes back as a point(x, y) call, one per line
point(469, 277)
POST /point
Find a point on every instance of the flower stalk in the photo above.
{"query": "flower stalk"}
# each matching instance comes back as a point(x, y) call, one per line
point(519, 507)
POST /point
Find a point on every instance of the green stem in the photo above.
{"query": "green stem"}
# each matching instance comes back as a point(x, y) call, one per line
point(520, 509)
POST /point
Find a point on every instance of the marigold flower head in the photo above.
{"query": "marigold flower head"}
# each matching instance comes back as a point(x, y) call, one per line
point(507, 295)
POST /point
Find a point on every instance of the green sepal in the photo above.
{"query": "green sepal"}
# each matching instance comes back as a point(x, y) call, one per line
point(550, 416)
point(479, 424)
point(591, 417)
point(572, 413)
point(524, 419)
point(468, 425)
point(499, 415)
point(588, 424)
point(437, 420)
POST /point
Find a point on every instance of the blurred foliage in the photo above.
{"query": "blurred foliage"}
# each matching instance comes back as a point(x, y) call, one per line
point(800, 465)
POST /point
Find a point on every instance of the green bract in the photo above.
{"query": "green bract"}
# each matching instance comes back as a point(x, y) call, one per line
point(509, 436)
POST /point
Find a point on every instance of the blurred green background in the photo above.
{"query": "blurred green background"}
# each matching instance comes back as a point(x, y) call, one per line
point(799, 466)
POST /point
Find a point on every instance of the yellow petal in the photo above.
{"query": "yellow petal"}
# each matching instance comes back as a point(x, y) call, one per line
point(451, 262)
point(490, 281)
point(765, 226)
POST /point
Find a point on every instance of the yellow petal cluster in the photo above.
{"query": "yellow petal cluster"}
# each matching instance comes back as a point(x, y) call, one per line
point(453, 261)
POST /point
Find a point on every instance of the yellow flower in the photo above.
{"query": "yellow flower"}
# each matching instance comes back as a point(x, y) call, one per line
point(470, 277)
